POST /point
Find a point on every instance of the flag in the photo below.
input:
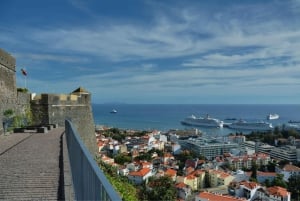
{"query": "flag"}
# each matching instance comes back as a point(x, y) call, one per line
point(24, 72)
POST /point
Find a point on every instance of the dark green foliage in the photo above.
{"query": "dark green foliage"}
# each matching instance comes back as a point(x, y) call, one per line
point(270, 136)
point(122, 158)
point(293, 186)
point(254, 172)
point(115, 134)
point(8, 113)
point(23, 90)
point(267, 183)
point(148, 156)
point(278, 181)
point(127, 191)
point(161, 188)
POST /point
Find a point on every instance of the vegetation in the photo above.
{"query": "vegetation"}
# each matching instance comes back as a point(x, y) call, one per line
point(23, 90)
point(270, 136)
point(293, 186)
point(183, 156)
point(148, 155)
point(121, 184)
point(161, 188)
point(18, 120)
point(119, 135)
point(8, 113)
point(122, 158)
point(254, 172)
point(278, 181)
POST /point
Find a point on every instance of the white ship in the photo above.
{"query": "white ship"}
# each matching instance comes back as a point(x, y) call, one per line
point(255, 126)
point(272, 116)
point(113, 111)
point(202, 121)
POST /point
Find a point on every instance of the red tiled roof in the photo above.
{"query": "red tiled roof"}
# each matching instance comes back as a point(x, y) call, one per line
point(190, 177)
point(142, 172)
point(278, 191)
point(217, 197)
point(171, 172)
point(291, 168)
point(224, 175)
point(250, 185)
point(269, 174)
point(198, 172)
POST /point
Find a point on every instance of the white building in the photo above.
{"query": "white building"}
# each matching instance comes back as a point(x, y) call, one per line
point(285, 153)
point(138, 177)
point(288, 170)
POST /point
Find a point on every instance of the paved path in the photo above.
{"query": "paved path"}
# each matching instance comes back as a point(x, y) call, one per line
point(30, 166)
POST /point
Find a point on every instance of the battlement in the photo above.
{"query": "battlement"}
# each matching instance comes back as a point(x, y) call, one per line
point(61, 99)
point(7, 60)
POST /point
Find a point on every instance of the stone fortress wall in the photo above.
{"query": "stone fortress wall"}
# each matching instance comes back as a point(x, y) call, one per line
point(76, 106)
point(46, 108)
point(9, 97)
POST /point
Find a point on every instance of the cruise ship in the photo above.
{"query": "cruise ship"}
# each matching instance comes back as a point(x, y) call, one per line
point(202, 121)
point(255, 126)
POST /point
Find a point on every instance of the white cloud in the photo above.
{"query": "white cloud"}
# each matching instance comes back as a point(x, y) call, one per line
point(257, 52)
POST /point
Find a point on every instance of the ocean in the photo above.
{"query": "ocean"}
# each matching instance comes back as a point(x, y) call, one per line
point(164, 117)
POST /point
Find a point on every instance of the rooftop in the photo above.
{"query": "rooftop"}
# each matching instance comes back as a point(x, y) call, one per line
point(217, 197)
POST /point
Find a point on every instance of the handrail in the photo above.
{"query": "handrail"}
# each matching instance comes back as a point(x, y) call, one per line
point(89, 182)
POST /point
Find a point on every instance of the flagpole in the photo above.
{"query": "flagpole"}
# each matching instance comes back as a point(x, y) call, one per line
point(25, 77)
point(25, 82)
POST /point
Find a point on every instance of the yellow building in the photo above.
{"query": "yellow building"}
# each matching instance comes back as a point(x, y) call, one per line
point(219, 178)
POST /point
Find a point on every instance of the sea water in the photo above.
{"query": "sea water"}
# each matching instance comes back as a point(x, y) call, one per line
point(168, 116)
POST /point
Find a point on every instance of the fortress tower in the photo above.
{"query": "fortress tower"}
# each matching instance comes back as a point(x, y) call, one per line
point(76, 106)
point(46, 108)
point(10, 97)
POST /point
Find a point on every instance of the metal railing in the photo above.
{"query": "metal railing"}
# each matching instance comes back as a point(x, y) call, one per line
point(89, 182)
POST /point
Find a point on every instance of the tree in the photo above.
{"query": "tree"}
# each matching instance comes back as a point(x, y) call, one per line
point(254, 171)
point(267, 183)
point(121, 159)
point(161, 188)
point(271, 166)
point(278, 181)
point(293, 186)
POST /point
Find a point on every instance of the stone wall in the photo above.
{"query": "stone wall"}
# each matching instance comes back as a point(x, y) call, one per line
point(55, 108)
point(9, 97)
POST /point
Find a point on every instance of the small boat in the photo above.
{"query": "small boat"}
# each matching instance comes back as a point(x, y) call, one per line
point(113, 111)
point(272, 116)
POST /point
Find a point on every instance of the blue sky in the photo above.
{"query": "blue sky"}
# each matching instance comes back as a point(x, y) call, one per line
point(153, 51)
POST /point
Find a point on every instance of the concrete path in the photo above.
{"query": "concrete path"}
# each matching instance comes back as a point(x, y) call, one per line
point(30, 166)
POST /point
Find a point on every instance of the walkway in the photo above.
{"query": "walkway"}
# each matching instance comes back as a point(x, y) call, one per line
point(31, 166)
